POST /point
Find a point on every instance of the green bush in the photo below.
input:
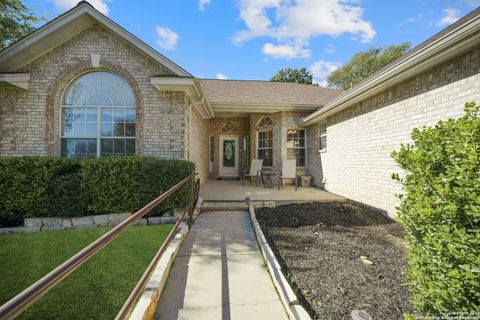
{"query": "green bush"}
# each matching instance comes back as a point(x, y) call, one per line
point(125, 184)
point(66, 197)
point(23, 185)
point(52, 186)
point(113, 183)
point(440, 211)
point(157, 176)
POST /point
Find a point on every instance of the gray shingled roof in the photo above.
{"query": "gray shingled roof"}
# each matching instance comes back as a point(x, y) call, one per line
point(266, 92)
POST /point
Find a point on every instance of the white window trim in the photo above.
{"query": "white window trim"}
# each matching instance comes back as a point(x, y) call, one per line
point(256, 145)
point(306, 148)
point(319, 135)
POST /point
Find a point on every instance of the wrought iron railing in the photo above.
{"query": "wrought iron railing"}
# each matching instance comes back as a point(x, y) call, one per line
point(23, 300)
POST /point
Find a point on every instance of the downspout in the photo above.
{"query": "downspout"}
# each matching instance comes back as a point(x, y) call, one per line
point(190, 124)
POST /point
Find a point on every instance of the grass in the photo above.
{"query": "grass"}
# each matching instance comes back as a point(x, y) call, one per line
point(97, 290)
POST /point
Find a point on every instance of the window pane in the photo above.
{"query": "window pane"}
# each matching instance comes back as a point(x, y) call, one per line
point(118, 115)
point(79, 129)
point(323, 142)
point(107, 147)
point(91, 129)
point(107, 129)
point(91, 114)
point(118, 146)
point(99, 99)
point(130, 146)
point(107, 114)
point(119, 129)
point(130, 115)
point(78, 148)
point(130, 129)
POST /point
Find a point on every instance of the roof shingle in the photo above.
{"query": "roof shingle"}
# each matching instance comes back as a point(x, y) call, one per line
point(266, 92)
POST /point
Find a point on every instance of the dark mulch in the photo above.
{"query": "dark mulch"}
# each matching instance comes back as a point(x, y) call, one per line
point(319, 247)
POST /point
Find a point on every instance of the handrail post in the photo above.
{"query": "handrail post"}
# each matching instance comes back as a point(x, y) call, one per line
point(192, 199)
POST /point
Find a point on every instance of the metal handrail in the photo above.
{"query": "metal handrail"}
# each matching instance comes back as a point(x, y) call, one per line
point(23, 300)
point(135, 294)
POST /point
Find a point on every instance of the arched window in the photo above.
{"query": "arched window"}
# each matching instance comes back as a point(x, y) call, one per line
point(98, 116)
point(265, 122)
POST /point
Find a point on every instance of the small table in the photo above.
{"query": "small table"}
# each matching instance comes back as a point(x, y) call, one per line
point(267, 180)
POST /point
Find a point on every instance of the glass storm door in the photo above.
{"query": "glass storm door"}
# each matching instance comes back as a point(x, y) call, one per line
point(228, 156)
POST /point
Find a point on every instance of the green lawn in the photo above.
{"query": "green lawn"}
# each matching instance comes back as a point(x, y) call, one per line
point(97, 290)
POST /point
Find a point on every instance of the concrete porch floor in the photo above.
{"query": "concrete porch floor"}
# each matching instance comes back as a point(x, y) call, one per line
point(220, 190)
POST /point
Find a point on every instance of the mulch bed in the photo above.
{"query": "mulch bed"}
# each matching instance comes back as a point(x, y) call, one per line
point(319, 246)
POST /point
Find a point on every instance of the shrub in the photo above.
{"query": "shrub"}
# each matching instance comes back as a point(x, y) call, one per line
point(125, 184)
point(440, 211)
point(66, 197)
point(157, 176)
point(23, 185)
point(113, 183)
point(52, 186)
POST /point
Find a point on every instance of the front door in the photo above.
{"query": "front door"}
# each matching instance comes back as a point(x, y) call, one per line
point(228, 156)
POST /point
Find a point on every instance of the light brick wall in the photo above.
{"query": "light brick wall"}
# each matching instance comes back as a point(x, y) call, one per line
point(357, 164)
point(29, 120)
point(198, 144)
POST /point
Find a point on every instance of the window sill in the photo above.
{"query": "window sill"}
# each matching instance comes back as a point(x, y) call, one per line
point(322, 151)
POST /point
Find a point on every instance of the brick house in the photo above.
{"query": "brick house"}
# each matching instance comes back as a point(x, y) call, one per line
point(82, 86)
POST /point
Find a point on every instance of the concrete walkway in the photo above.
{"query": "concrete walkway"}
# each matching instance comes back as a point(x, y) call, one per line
point(219, 273)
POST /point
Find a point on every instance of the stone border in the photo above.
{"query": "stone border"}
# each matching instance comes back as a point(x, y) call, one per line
point(287, 296)
point(147, 304)
point(102, 220)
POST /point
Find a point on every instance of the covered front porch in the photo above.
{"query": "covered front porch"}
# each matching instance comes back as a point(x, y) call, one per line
point(221, 190)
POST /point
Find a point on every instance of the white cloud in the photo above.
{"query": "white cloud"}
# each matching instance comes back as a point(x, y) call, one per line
point(410, 20)
point(100, 5)
point(451, 15)
point(296, 22)
point(221, 76)
point(329, 49)
point(166, 38)
point(202, 4)
point(321, 70)
point(286, 51)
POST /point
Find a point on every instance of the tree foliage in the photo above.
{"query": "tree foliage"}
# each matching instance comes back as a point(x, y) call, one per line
point(294, 75)
point(440, 211)
point(363, 64)
point(16, 21)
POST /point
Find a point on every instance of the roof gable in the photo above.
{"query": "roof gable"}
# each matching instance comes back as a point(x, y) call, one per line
point(63, 28)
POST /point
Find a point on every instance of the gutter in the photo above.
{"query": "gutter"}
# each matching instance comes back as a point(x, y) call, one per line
point(439, 50)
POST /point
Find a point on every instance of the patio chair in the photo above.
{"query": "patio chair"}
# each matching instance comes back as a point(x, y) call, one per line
point(289, 171)
point(255, 171)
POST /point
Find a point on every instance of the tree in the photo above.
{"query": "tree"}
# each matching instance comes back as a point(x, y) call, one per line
point(363, 64)
point(294, 75)
point(16, 21)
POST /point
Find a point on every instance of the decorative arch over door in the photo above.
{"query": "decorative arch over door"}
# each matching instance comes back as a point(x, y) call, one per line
point(229, 128)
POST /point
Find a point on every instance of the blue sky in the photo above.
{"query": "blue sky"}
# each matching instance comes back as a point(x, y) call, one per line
point(253, 39)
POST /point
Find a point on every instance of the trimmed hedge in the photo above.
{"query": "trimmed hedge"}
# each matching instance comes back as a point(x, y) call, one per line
point(440, 210)
point(125, 184)
point(52, 186)
point(24, 182)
